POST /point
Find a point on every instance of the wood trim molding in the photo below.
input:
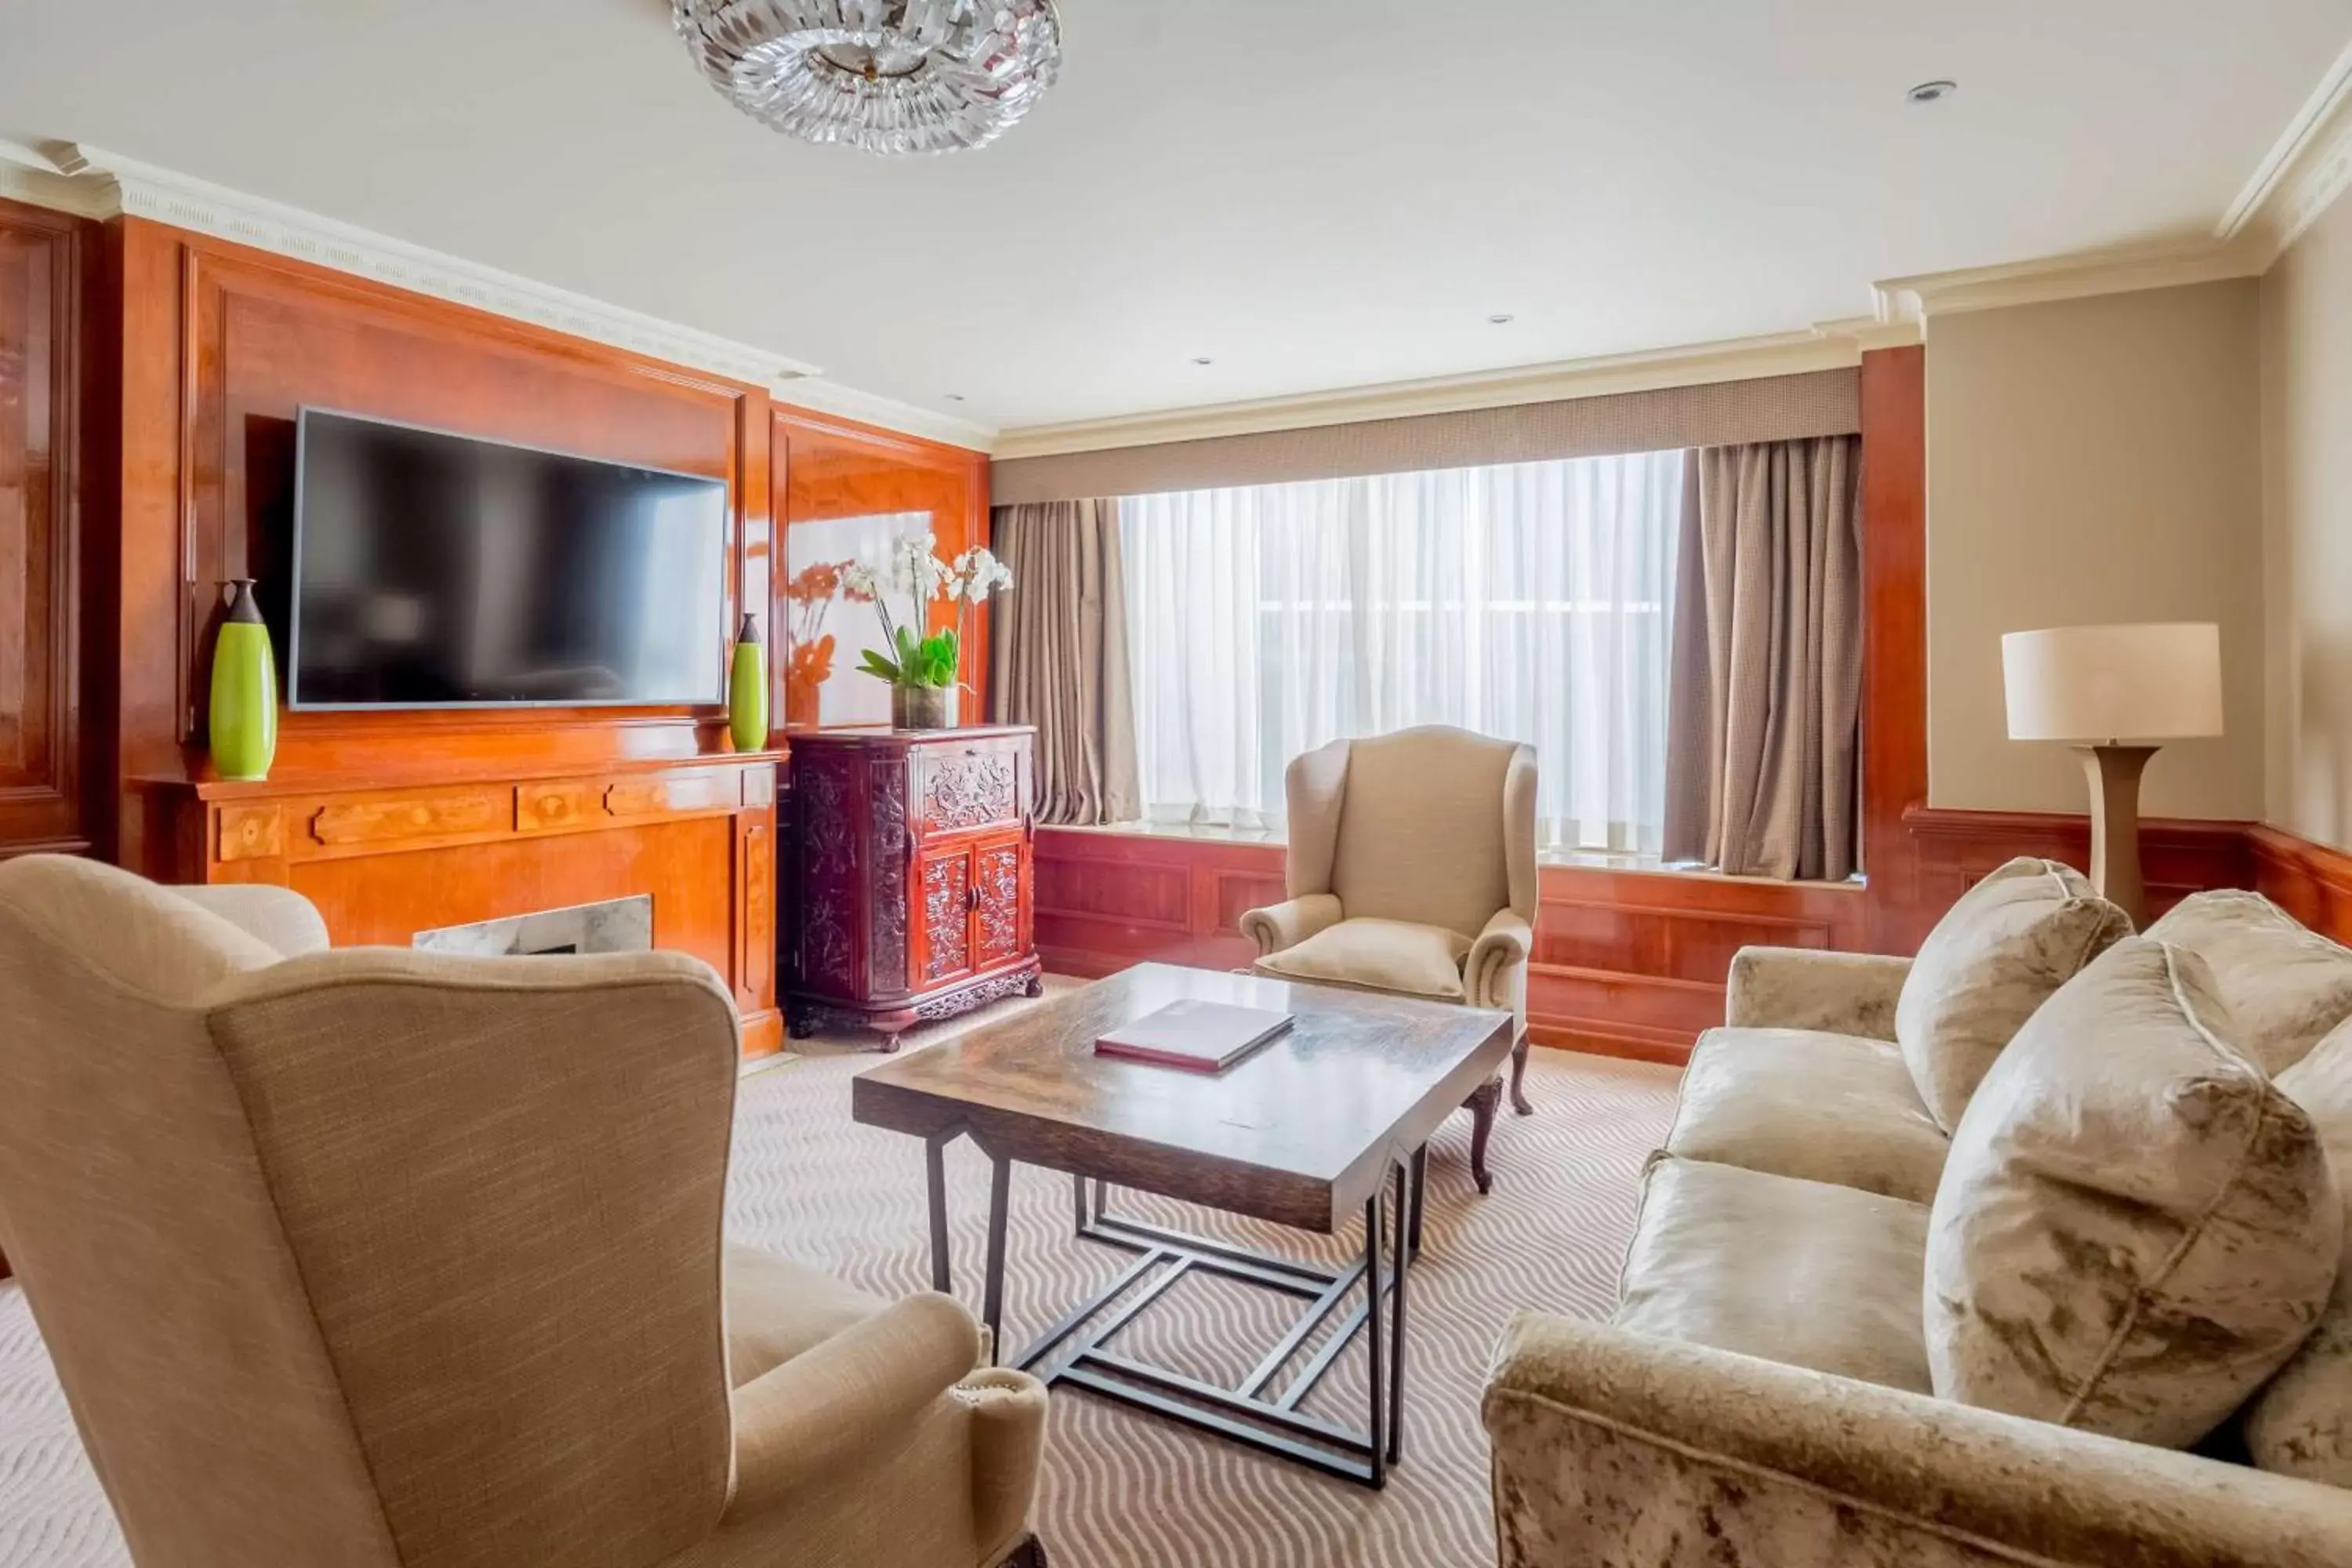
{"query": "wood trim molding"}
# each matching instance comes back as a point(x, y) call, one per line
point(94, 183)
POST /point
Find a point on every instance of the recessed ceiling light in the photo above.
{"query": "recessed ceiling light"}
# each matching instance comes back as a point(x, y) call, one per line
point(1929, 91)
point(1498, 321)
point(1203, 359)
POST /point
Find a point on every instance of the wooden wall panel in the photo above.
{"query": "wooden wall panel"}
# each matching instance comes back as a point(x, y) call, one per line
point(1108, 899)
point(45, 261)
point(1952, 849)
point(2311, 881)
point(1630, 963)
point(207, 352)
point(1894, 640)
point(822, 467)
point(219, 346)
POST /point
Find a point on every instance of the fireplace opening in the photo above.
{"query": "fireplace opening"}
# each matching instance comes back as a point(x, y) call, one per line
point(614, 925)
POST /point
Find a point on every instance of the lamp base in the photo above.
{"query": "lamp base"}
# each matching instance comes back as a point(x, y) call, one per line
point(2113, 774)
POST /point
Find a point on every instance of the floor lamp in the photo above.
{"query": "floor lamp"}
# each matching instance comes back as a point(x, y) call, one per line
point(2115, 693)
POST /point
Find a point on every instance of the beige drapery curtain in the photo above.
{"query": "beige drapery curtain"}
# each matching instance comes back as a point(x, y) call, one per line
point(1059, 657)
point(1765, 693)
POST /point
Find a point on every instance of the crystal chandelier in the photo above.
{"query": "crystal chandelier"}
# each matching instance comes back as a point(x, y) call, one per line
point(886, 76)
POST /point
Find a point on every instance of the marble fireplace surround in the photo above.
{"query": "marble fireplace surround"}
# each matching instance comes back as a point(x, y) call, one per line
point(612, 925)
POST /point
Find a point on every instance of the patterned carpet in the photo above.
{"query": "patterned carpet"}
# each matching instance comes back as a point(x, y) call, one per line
point(1122, 1489)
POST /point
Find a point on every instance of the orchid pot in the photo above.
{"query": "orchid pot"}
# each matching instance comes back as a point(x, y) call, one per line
point(924, 668)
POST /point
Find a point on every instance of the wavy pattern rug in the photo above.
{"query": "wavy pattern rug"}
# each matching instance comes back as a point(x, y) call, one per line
point(1122, 1489)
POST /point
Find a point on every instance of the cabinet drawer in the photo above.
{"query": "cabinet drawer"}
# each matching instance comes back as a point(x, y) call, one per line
point(544, 807)
point(434, 815)
point(709, 789)
point(963, 788)
point(250, 833)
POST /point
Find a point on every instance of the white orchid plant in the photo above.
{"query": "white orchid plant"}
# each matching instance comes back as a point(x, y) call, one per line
point(915, 658)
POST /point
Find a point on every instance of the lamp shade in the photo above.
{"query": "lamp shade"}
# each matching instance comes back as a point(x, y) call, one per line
point(2155, 682)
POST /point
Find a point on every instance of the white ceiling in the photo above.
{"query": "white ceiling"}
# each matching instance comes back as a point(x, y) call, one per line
point(1318, 194)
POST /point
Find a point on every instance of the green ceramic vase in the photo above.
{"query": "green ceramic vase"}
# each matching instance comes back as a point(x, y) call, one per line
point(243, 715)
point(747, 689)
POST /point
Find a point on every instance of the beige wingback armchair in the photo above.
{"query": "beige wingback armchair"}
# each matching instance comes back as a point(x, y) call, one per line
point(366, 1258)
point(1412, 868)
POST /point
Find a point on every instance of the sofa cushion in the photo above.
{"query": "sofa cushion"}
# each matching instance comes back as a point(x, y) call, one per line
point(777, 1309)
point(2135, 1229)
point(2301, 1421)
point(1379, 955)
point(1995, 956)
point(1799, 1272)
point(2285, 985)
point(1797, 1102)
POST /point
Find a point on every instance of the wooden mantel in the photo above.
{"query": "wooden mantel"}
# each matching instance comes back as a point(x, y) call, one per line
point(419, 847)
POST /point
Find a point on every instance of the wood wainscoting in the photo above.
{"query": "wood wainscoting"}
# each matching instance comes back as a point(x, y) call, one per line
point(1632, 962)
point(1951, 849)
point(1626, 962)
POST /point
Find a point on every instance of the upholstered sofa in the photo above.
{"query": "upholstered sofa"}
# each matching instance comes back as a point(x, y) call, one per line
point(1886, 1309)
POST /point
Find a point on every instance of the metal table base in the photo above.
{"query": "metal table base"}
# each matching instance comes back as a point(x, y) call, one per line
point(1257, 1413)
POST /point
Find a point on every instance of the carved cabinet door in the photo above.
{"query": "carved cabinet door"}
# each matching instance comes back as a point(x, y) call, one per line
point(1000, 925)
point(944, 894)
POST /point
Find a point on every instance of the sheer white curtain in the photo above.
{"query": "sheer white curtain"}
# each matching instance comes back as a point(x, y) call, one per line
point(1528, 601)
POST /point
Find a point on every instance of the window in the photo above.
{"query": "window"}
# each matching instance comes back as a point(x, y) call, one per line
point(1528, 601)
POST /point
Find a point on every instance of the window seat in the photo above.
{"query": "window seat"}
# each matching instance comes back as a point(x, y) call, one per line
point(1583, 859)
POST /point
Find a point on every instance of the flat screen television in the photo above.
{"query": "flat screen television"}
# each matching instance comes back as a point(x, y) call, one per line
point(432, 570)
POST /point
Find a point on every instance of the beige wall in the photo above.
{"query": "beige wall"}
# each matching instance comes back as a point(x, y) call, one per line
point(2090, 461)
point(2306, 320)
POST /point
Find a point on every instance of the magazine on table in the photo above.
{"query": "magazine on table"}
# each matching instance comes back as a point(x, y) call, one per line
point(1196, 1036)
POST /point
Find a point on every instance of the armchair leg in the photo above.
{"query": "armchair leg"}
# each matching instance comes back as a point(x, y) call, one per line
point(1518, 1079)
point(1483, 1103)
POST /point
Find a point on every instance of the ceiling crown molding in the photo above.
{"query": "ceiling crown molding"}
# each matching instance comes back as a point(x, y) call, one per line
point(100, 185)
point(2307, 169)
point(2120, 270)
point(1832, 345)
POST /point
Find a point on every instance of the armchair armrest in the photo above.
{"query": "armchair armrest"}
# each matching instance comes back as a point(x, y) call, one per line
point(1290, 923)
point(277, 917)
point(1806, 988)
point(1610, 1446)
point(859, 1390)
point(1490, 972)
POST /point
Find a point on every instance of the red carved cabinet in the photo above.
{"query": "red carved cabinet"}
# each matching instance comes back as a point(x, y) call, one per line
point(910, 874)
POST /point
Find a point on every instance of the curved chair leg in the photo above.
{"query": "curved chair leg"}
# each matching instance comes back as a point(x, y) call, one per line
point(1518, 1079)
point(1483, 1103)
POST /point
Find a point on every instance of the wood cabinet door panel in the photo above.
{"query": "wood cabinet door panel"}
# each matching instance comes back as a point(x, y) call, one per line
point(755, 912)
point(943, 914)
point(39, 299)
point(1000, 918)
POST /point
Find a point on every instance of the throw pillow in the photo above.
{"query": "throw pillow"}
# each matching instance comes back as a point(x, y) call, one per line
point(1995, 956)
point(2285, 985)
point(2301, 1422)
point(2135, 1229)
point(1379, 955)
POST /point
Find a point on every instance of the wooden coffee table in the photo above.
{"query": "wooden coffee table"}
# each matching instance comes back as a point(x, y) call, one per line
point(1312, 1132)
